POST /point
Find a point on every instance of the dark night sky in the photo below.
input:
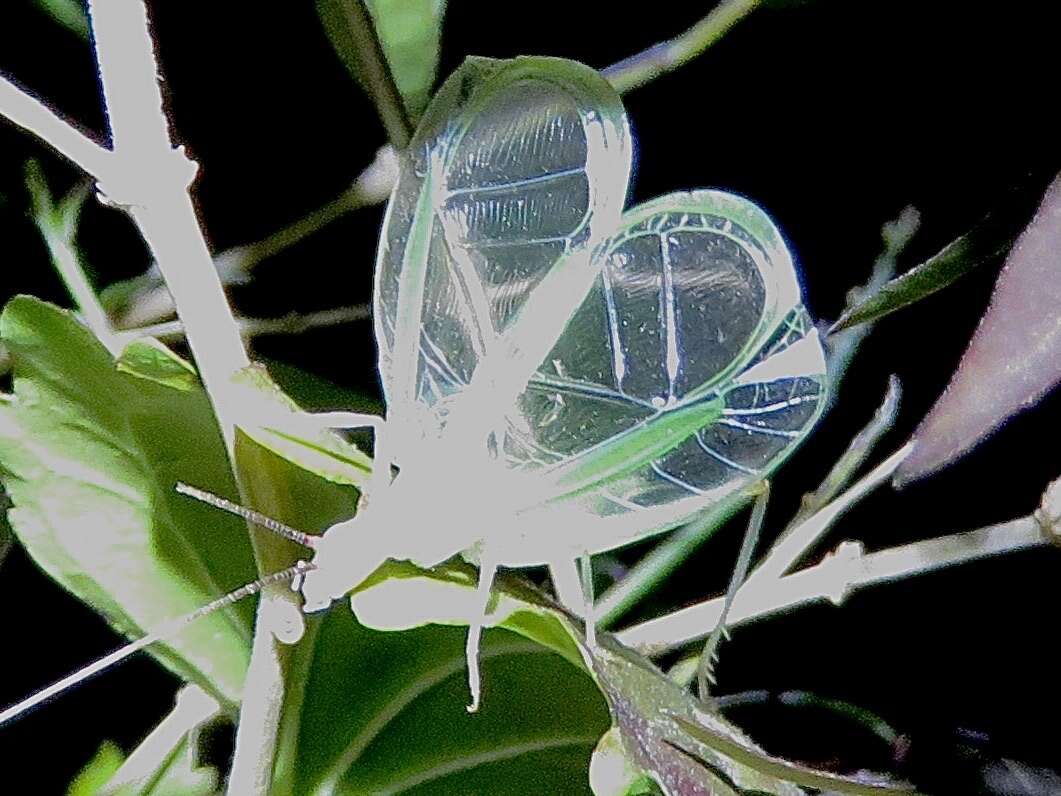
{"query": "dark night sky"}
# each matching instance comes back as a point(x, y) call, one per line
point(831, 115)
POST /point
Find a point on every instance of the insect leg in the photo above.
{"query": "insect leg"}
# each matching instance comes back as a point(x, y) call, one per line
point(588, 614)
point(574, 588)
point(314, 422)
point(705, 675)
point(567, 583)
point(487, 571)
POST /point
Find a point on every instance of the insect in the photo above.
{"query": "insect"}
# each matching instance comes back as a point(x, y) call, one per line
point(562, 377)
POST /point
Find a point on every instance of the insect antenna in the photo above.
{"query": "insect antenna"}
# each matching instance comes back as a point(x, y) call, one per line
point(307, 540)
point(165, 632)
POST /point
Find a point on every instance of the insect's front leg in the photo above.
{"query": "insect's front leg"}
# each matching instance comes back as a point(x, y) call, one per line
point(315, 422)
point(487, 571)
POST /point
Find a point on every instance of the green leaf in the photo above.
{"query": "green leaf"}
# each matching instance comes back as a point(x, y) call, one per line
point(68, 13)
point(181, 776)
point(90, 450)
point(385, 713)
point(756, 759)
point(150, 360)
point(315, 393)
point(642, 700)
point(647, 708)
point(988, 239)
point(1014, 357)
point(91, 779)
point(407, 32)
point(323, 452)
point(353, 35)
point(410, 32)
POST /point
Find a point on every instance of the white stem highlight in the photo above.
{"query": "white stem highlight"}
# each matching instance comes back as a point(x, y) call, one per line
point(33, 116)
point(839, 574)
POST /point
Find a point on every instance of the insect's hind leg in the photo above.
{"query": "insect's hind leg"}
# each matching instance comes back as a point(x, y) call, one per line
point(573, 580)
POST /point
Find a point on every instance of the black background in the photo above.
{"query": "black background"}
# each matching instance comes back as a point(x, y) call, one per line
point(831, 115)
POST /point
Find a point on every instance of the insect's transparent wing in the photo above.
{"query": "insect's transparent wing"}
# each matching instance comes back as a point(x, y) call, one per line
point(516, 169)
point(690, 370)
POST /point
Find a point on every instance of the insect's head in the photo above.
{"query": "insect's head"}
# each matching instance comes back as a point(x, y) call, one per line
point(343, 557)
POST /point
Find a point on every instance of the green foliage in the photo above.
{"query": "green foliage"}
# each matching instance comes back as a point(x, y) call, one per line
point(410, 32)
point(987, 240)
point(68, 13)
point(643, 703)
point(323, 453)
point(392, 52)
point(385, 712)
point(91, 779)
point(354, 38)
point(734, 750)
point(92, 448)
point(92, 444)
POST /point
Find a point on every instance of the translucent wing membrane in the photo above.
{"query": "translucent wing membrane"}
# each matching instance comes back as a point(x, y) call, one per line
point(690, 370)
point(517, 171)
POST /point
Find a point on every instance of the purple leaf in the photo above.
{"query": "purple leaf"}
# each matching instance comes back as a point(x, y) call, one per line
point(1014, 357)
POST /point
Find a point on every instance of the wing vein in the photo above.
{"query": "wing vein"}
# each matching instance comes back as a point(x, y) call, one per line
point(658, 470)
point(614, 337)
point(669, 310)
point(585, 390)
point(770, 432)
point(522, 183)
point(715, 454)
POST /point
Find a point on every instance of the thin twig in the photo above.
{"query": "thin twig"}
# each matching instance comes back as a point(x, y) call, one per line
point(834, 579)
point(33, 116)
point(663, 559)
point(144, 299)
point(853, 457)
point(841, 347)
point(152, 180)
point(290, 324)
point(193, 707)
point(57, 225)
point(667, 56)
point(799, 541)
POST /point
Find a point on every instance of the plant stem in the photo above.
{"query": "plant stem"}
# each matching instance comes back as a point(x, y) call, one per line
point(263, 700)
point(193, 708)
point(667, 56)
point(58, 228)
point(353, 33)
point(152, 180)
point(841, 347)
point(663, 559)
point(859, 449)
point(834, 579)
point(797, 542)
point(292, 323)
point(144, 300)
point(33, 116)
